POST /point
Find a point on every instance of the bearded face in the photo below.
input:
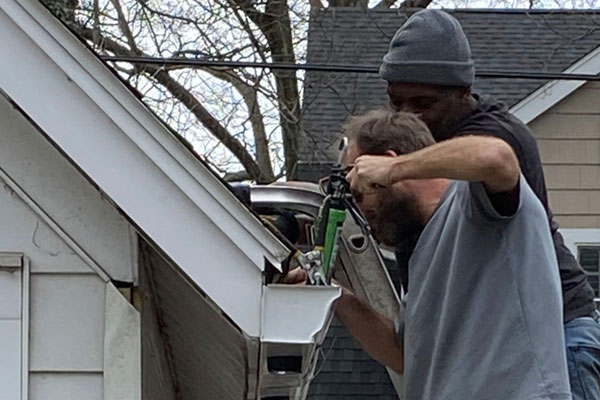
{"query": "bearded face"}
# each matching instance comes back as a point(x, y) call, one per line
point(393, 215)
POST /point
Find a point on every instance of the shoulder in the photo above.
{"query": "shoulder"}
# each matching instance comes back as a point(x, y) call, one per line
point(493, 118)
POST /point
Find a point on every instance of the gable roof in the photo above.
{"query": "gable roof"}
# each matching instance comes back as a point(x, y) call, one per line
point(213, 248)
point(527, 40)
point(123, 149)
point(552, 92)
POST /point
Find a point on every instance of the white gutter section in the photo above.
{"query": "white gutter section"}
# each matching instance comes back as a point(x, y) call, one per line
point(295, 314)
point(295, 321)
point(551, 93)
point(87, 113)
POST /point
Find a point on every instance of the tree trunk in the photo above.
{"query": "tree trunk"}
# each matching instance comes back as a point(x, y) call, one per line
point(278, 32)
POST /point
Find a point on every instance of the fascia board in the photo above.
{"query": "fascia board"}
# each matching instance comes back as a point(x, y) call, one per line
point(551, 93)
point(43, 45)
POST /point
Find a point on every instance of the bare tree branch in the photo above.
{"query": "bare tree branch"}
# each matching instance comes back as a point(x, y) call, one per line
point(275, 25)
point(182, 94)
point(386, 3)
point(415, 3)
point(349, 3)
point(249, 94)
point(247, 6)
point(250, 33)
point(237, 176)
point(124, 26)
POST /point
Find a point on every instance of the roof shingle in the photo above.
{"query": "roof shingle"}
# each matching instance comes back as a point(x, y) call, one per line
point(549, 41)
point(527, 40)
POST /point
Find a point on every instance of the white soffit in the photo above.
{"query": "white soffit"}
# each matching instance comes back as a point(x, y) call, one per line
point(551, 93)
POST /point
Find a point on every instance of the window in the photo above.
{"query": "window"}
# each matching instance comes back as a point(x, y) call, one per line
point(589, 258)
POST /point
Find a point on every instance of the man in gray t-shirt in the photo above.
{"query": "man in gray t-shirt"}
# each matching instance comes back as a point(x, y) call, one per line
point(483, 317)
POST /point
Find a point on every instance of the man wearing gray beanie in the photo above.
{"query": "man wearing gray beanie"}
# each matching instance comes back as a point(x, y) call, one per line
point(430, 72)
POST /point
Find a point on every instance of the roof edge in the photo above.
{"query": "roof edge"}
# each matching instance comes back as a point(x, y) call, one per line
point(554, 91)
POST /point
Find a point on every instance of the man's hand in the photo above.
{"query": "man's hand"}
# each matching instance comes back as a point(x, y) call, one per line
point(370, 173)
point(297, 276)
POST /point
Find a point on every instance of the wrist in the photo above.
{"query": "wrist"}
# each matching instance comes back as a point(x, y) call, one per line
point(397, 170)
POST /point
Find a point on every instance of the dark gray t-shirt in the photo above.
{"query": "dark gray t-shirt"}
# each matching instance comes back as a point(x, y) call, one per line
point(483, 316)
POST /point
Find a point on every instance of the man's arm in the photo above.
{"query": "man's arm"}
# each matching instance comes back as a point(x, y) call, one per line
point(470, 158)
point(374, 332)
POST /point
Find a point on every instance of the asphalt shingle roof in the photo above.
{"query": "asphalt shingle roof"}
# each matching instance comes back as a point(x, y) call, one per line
point(549, 41)
point(346, 370)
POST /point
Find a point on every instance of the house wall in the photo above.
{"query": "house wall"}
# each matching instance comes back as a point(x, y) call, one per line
point(74, 242)
point(66, 312)
point(65, 195)
point(568, 135)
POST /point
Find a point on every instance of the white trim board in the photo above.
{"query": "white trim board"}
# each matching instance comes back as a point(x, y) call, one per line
point(14, 325)
point(551, 93)
point(69, 241)
point(122, 348)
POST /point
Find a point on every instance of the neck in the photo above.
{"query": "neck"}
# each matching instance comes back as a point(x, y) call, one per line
point(467, 108)
point(459, 112)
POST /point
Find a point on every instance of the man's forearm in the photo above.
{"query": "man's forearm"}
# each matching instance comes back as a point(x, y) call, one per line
point(470, 158)
point(374, 332)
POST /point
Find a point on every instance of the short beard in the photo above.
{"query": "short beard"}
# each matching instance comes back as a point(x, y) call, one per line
point(396, 219)
point(446, 128)
point(456, 112)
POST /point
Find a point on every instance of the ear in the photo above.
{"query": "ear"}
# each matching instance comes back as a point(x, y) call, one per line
point(391, 153)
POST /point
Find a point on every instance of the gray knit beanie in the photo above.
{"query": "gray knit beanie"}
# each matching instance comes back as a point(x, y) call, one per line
point(429, 48)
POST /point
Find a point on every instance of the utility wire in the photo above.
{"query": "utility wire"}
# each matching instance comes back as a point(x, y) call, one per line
point(360, 69)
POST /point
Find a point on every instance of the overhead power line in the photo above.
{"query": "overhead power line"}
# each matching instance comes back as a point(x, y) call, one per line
point(360, 69)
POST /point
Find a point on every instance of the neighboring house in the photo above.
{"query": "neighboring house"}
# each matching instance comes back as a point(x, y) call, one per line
point(564, 117)
point(128, 270)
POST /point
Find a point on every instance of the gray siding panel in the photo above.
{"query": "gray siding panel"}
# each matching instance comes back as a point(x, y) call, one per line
point(569, 139)
point(65, 195)
point(10, 358)
point(65, 386)
point(67, 322)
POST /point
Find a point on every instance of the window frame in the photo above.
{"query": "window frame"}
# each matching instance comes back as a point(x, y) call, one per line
point(17, 263)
